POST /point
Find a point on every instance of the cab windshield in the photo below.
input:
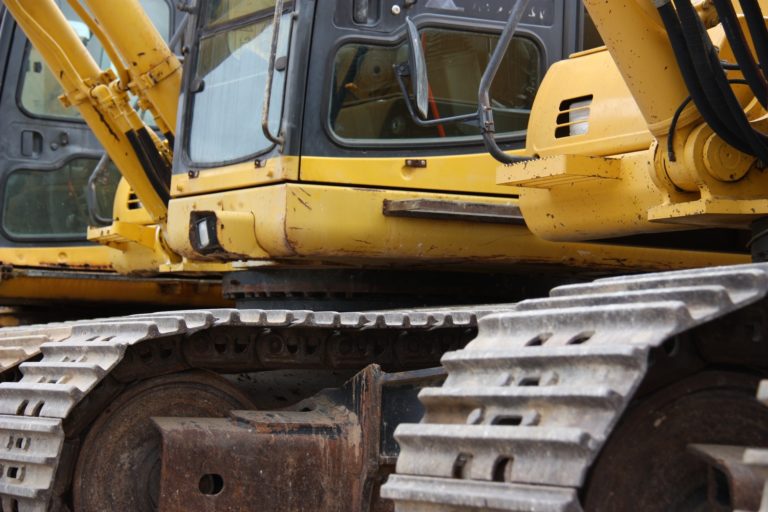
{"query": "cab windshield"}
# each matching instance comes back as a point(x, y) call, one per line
point(230, 79)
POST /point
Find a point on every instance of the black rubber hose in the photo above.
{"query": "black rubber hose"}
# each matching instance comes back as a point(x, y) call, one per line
point(711, 75)
point(685, 63)
point(673, 128)
point(741, 51)
point(154, 168)
point(487, 125)
point(698, 50)
point(676, 119)
point(757, 30)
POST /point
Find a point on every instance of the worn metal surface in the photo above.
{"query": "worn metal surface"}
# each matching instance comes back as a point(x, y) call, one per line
point(528, 405)
point(334, 451)
point(757, 458)
point(744, 470)
point(119, 461)
point(732, 483)
point(496, 437)
point(272, 461)
point(454, 210)
point(79, 356)
point(646, 464)
point(345, 226)
point(360, 289)
point(265, 461)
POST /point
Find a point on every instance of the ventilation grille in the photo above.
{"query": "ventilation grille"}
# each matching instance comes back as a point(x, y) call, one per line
point(133, 201)
point(573, 118)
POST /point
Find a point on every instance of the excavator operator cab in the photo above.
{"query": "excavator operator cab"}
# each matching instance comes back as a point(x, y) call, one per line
point(48, 154)
point(334, 89)
point(307, 92)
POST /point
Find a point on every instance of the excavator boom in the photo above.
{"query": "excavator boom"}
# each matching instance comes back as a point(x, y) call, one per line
point(103, 101)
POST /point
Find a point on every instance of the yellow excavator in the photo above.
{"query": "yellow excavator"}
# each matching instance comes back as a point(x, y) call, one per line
point(55, 179)
point(341, 159)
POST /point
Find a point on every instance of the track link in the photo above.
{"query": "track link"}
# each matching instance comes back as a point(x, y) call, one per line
point(529, 403)
point(76, 356)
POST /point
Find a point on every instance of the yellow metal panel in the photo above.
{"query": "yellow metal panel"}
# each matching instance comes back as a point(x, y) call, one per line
point(712, 212)
point(92, 287)
point(593, 209)
point(615, 124)
point(119, 233)
point(198, 267)
point(240, 175)
point(635, 36)
point(127, 207)
point(345, 225)
point(460, 173)
point(564, 194)
point(562, 170)
point(92, 257)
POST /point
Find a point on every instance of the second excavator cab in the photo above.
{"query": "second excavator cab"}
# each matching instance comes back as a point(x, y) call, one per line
point(48, 156)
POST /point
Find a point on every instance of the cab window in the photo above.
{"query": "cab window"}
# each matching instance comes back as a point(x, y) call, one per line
point(367, 103)
point(227, 95)
point(218, 12)
point(51, 204)
point(39, 91)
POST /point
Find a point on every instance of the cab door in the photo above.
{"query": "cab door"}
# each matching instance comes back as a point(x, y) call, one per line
point(47, 153)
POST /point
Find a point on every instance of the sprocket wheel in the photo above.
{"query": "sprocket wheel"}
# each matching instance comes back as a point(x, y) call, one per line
point(118, 467)
point(645, 465)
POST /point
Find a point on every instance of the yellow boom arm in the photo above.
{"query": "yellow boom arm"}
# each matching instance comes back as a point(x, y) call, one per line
point(155, 72)
point(101, 100)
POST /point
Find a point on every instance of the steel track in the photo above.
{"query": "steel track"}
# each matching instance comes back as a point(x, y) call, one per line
point(76, 356)
point(528, 404)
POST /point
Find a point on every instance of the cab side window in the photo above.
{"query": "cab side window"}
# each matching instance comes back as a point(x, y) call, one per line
point(43, 204)
point(367, 103)
point(50, 204)
point(39, 91)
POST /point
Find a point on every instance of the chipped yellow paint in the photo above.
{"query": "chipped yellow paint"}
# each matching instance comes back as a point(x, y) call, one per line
point(473, 173)
point(240, 175)
point(345, 225)
point(82, 287)
point(87, 256)
point(602, 168)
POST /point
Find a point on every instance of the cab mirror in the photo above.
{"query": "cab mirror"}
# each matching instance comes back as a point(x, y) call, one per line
point(418, 65)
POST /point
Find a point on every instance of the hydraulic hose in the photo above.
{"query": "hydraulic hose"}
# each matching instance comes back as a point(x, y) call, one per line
point(714, 82)
point(676, 119)
point(711, 116)
point(747, 64)
point(710, 72)
point(757, 30)
point(487, 125)
point(698, 51)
